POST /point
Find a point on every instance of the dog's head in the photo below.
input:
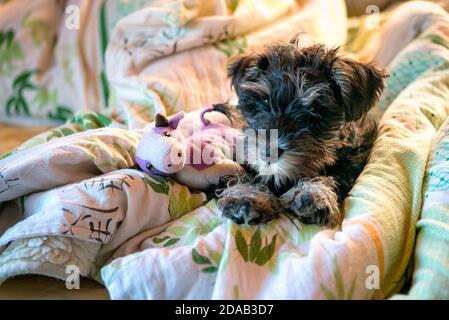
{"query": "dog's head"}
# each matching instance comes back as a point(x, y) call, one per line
point(309, 95)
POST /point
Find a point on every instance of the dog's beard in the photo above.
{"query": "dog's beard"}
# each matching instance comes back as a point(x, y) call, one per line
point(280, 172)
point(292, 166)
point(277, 170)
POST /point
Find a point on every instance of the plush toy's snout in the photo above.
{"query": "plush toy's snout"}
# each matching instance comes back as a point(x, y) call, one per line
point(174, 159)
point(161, 150)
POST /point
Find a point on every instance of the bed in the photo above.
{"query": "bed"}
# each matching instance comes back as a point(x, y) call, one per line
point(33, 286)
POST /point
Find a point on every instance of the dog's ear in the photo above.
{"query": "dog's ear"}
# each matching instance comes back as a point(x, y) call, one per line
point(360, 86)
point(237, 70)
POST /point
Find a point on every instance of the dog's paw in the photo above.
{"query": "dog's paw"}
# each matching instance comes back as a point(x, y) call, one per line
point(248, 204)
point(314, 202)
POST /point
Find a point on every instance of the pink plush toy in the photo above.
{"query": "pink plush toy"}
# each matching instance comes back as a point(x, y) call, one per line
point(197, 158)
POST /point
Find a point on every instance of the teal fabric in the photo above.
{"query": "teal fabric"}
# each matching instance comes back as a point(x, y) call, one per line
point(431, 258)
point(408, 67)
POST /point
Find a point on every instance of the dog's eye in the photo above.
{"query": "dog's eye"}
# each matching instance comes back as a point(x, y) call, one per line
point(167, 134)
point(262, 63)
point(265, 100)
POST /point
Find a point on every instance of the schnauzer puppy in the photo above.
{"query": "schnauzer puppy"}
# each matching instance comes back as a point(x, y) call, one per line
point(317, 101)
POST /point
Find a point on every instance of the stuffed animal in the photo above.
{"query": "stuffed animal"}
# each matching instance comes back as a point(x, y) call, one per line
point(196, 152)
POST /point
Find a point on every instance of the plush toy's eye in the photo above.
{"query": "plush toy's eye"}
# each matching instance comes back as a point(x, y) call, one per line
point(149, 166)
point(167, 134)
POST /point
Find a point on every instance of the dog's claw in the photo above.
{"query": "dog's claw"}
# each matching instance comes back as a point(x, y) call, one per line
point(249, 207)
point(313, 202)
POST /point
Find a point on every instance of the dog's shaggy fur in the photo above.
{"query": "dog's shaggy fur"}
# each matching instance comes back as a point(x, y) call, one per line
point(317, 100)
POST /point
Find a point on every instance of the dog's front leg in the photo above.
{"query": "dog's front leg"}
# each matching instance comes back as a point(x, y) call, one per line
point(249, 203)
point(314, 201)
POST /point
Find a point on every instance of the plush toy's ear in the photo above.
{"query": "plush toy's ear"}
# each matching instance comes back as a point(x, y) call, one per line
point(161, 121)
point(174, 121)
point(360, 86)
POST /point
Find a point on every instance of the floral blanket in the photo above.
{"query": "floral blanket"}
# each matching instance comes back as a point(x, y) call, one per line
point(72, 196)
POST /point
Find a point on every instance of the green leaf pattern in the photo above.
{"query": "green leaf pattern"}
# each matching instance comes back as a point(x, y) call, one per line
point(38, 29)
point(204, 261)
point(188, 229)
point(28, 99)
point(17, 103)
point(339, 293)
point(232, 46)
point(181, 199)
point(10, 52)
point(254, 251)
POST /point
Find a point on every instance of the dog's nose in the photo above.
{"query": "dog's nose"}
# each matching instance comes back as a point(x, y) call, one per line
point(268, 156)
point(280, 152)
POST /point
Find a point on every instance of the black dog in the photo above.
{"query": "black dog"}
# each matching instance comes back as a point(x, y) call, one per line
point(316, 100)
